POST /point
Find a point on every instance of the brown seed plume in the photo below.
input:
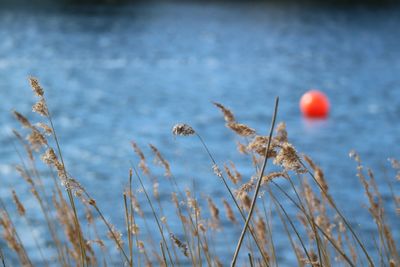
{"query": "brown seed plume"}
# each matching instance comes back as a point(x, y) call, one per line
point(47, 130)
point(36, 139)
point(41, 108)
point(49, 157)
point(228, 115)
point(28, 149)
point(241, 148)
point(37, 89)
point(22, 119)
point(288, 159)
point(232, 173)
point(182, 246)
point(175, 200)
point(229, 211)
point(241, 129)
point(10, 236)
point(182, 129)
point(318, 173)
point(246, 187)
point(142, 163)
point(281, 133)
point(214, 213)
point(217, 170)
point(259, 145)
point(261, 229)
point(116, 236)
point(396, 165)
point(270, 176)
point(24, 174)
point(246, 201)
point(161, 160)
point(20, 207)
point(250, 185)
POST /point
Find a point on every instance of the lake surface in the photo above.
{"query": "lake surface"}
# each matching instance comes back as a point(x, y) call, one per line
point(118, 74)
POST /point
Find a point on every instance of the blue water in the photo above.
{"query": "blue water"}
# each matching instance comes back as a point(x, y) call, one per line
point(113, 75)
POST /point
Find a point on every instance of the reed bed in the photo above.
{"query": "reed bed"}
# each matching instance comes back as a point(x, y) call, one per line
point(79, 233)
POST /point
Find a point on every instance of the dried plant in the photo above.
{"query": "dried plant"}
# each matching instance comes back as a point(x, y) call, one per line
point(228, 115)
point(255, 200)
point(241, 129)
point(182, 129)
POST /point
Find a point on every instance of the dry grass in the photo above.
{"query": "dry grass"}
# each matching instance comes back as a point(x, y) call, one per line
point(318, 235)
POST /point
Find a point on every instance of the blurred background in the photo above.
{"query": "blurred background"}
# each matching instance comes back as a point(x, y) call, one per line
point(117, 71)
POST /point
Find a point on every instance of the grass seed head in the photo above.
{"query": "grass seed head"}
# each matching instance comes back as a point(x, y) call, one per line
point(47, 130)
point(182, 246)
point(216, 170)
point(37, 89)
point(36, 139)
point(49, 157)
point(161, 160)
point(183, 129)
point(22, 119)
point(40, 107)
point(228, 115)
point(229, 211)
point(281, 133)
point(241, 129)
point(287, 158)
point(20, 207)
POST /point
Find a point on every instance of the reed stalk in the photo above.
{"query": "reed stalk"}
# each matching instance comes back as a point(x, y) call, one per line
point(253, 202)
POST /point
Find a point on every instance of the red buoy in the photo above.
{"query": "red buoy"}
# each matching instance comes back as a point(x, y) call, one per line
point(314, 104)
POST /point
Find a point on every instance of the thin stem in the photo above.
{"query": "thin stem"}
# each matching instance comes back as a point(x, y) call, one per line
point(332, 203)
point(128, 228)
point(276, 202)
point(2, 258)
point(70, 196)
point(154, 214)
point(94, 205)
point(163, 253)
point(132, 218)
point(253, 203)
point(298, 255)
point(269, 229)
point(196, 220)
point(250, 260)
point(265, 258)
point(302, 209)
point(13, 231)
point(49, 221)
point(312, 221)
